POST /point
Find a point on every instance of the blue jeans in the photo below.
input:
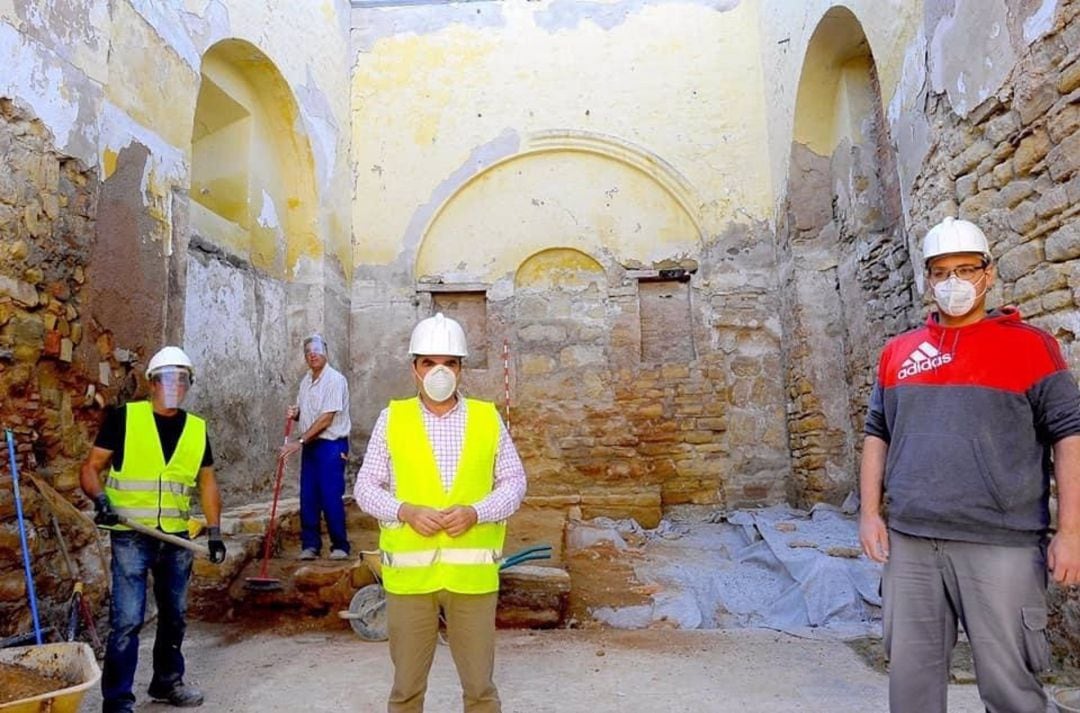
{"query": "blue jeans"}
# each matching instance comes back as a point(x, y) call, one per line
point(133, 557)
point(322, 485)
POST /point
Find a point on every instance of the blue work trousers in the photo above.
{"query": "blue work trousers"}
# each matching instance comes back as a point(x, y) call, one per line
point(133, 557)
point(322, 485)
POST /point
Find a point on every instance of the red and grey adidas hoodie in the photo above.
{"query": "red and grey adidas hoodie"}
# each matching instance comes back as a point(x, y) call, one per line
point(970, 414)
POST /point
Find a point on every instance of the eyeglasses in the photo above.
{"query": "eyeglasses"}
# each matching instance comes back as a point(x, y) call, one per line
point(968, 273)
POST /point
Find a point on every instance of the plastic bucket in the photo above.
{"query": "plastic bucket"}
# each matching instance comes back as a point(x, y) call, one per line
point(1067, 700)
point(73, 663)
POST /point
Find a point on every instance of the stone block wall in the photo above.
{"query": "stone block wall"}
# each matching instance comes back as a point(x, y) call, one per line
point(633, 390)
point(47, 228)
point(1012, 165)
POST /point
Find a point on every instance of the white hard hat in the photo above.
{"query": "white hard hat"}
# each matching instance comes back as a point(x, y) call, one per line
point(955, 236)
point(169, 356)
point(438, 336)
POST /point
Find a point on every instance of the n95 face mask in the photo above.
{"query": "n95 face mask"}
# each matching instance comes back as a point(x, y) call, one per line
point(955, 297)
point(440, 383)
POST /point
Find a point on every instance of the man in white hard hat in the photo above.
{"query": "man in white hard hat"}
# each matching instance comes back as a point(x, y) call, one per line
point(322, 413)
point(442, 476)
point(155, 454)
point(964, 417)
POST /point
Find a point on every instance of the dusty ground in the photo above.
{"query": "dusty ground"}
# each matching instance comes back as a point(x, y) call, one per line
point(562, 671)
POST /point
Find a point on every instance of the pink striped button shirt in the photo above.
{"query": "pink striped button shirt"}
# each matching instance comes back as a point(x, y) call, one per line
point(375, 480)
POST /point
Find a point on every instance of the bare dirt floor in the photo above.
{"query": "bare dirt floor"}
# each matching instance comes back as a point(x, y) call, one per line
point(264, 669)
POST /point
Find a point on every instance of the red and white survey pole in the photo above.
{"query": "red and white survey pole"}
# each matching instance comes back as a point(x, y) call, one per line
point(506, 379)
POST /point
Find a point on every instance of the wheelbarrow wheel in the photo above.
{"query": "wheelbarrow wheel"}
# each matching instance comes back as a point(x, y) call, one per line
point(367, 613)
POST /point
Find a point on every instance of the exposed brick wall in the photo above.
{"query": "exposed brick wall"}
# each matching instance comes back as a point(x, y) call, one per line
point(47, 216)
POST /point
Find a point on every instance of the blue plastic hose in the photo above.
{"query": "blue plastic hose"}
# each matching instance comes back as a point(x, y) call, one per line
point(31, 594)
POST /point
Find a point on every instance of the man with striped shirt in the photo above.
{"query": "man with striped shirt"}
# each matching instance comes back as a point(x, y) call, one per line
point(442, 476)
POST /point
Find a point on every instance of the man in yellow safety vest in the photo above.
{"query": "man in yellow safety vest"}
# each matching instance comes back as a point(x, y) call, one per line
point(156, 453)
point(442, 475)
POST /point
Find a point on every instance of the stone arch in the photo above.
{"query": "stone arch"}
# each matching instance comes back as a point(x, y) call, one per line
point(585, 191)
point(253, 188)
point(843, 264)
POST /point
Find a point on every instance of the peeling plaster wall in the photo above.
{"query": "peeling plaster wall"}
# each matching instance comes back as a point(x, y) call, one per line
point(485, 134)
point(239, 314)
point(964, 49)
point(444, 91)
point(114, 83)
point(786, 28)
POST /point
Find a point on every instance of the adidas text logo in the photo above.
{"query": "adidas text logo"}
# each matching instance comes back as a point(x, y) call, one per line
point(924, 358)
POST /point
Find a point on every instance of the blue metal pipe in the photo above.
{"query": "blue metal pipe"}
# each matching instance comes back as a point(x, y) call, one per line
point(31, 594)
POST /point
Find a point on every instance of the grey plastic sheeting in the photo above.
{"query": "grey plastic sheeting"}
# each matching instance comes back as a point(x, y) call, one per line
point(767, 568)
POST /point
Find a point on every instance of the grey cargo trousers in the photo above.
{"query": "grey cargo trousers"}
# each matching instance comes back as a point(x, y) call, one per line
point(998, 593)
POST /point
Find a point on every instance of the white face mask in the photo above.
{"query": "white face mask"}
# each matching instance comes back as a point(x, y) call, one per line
point(440, 383)
point(955, 297)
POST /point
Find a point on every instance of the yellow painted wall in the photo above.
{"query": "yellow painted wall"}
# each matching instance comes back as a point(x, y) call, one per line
point(263, 179)
point(148, 81)
point(432, 107)
point(559, 268)
point(557, 198)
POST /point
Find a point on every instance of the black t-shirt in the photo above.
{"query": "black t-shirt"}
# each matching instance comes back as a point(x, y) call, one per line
point(169, 428)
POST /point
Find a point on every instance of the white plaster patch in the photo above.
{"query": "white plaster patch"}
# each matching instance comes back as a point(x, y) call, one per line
point(976, 28)
point(1040, 22)
point(209, 27)
point(319, 125)
point(568, 14)
point(268, 217)
point(166, 20)
point(31, 74)
point(908, 124)
point(308, 270)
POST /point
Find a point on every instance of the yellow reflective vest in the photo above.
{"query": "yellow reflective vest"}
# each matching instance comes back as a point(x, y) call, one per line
point(147, 489)
point(413, 563)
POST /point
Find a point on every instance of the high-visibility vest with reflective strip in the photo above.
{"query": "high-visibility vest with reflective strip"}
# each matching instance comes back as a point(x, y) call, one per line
point(146, 489)
point(413, 563)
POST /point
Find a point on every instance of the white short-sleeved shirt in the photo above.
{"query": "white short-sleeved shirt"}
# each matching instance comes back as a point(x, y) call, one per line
point(330, 392)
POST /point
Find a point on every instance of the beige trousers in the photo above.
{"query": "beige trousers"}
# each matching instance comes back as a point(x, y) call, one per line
point(470, 630)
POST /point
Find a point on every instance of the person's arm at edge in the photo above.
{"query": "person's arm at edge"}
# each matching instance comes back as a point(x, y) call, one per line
point(873, 534)
point(1063, 555)
point(90, 475)
point(210, 496)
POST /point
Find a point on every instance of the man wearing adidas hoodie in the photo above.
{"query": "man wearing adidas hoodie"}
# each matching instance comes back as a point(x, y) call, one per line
point(955, 484)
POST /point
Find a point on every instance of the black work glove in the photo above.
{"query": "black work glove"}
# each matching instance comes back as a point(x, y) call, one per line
point(104, 515)
point(216, 545)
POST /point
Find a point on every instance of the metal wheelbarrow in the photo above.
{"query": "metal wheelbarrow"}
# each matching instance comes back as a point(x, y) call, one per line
point(367, 610)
